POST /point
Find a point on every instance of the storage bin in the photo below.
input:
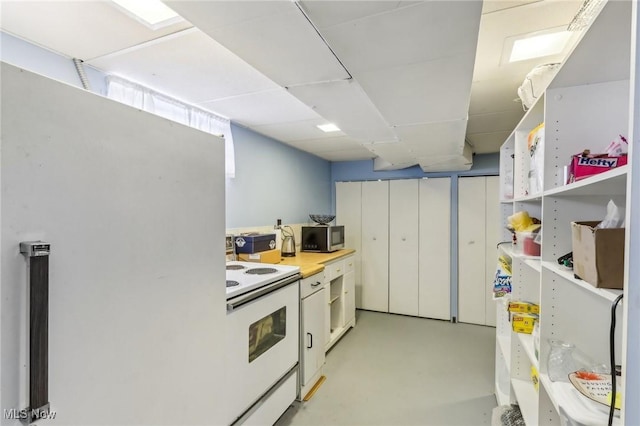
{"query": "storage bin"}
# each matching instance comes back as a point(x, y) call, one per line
point(526, 243)
point(598, 254)
point(255, 243)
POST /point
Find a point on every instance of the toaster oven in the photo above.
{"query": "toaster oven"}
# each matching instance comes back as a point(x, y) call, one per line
point(322, 238)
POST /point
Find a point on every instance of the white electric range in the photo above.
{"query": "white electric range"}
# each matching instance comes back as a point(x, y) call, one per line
point(263, 306)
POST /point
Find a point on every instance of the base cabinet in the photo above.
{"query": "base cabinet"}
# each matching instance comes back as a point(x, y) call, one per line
point(312, 339)
point(340, 297)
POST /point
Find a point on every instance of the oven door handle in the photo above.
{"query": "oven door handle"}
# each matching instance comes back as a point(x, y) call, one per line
point(241, 300)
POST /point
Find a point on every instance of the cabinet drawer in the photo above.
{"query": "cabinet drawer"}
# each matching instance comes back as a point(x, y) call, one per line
point(335, 269)
point(311, 284)
point(349, 264)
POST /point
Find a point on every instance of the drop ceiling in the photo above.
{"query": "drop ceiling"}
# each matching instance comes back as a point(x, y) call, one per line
point(407, 82)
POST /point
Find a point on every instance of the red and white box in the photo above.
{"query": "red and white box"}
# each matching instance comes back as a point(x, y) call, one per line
point(583, 166)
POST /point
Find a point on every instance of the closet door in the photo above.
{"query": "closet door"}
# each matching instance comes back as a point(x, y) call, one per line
point(349, 214)
point(435, 248)
point(471, 250)
point(492, 214)
point(375, 246)
point(403, 247)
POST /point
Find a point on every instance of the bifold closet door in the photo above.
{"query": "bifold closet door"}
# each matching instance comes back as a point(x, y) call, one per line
point(349, 214)
point(403, 246)
point(476, 248)
point(375, 246)
point(492, 226)
point(435, 248)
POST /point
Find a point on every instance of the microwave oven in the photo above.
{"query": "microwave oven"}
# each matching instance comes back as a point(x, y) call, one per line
point(322, 238)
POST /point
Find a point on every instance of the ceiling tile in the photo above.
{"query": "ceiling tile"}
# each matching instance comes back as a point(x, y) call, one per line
point(441, 138)
point(297, 131)
point(494, 95)
point(256, 109)
point(419, 33)
point(431, 91)
point(345, 104)
point(484, 143)
point(490, 6)
point(190, 66)
point(339, 143)
point(492, 122)
point(347, 155)
point(393, 152)
point(324, 14)
point(223, 13)
point(77, 29)
point(283, 46)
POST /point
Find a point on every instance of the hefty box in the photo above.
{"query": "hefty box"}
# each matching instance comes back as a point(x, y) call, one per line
point(598, 254)
point(254, 243)
point(583, 166)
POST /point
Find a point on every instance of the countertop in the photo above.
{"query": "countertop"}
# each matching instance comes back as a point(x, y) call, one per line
point(312, 263)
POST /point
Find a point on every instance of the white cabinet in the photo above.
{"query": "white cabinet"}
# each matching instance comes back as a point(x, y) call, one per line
point(403, 247)
point(340, 308)
point(312, 337)
point(349, 214)
point(375, 246)
point(477, 239)
point(585, 107)
point(405, 240)
point(434, 255)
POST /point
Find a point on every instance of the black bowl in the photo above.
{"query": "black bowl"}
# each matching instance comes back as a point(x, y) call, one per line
point(322, 219)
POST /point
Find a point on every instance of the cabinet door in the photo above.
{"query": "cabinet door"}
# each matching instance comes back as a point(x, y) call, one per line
point(327, 313)
point(435, 248)
point(349, 214)
point(471, 250)
point(349, 297)
point(492, 218)
point(313, 336)
point(375, 246)
point(403, 247)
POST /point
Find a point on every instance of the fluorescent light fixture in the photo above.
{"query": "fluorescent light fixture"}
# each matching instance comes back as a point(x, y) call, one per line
point(539, 45)
point(328, 127)
point(152, 13)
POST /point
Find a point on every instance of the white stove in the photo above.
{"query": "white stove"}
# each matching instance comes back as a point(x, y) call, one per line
point(243, 277)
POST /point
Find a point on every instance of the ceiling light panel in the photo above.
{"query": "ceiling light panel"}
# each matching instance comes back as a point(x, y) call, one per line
point(152, 13)
point(296, 130)
point(329, 127)
point(56, 26)
point(538, 46)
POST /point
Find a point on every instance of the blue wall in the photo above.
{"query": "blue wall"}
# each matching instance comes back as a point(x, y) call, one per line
point(274, 181)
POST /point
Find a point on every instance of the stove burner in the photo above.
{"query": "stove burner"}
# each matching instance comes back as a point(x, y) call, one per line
point(232, 283)
point(234, 267)
point(261, 271)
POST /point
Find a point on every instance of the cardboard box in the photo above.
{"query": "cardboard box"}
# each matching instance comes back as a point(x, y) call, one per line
point(523, 322)
point(269, 256)
point(526, 307)
point(254, 243)
point(598, 254)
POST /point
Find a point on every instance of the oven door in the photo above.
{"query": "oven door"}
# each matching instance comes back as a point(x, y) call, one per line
point(262, 342)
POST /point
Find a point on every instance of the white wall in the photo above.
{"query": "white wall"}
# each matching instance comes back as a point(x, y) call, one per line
point(133, 206)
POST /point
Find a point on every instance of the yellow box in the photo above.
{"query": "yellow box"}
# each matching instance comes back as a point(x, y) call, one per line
point(268, 256)
point(523, 322)
point(525, 307)
point(534, 377)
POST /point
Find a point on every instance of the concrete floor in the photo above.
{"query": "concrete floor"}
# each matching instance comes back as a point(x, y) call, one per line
point(399, 370)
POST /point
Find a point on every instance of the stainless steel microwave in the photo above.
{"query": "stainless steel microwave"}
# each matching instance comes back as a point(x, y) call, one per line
point(322, 238)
